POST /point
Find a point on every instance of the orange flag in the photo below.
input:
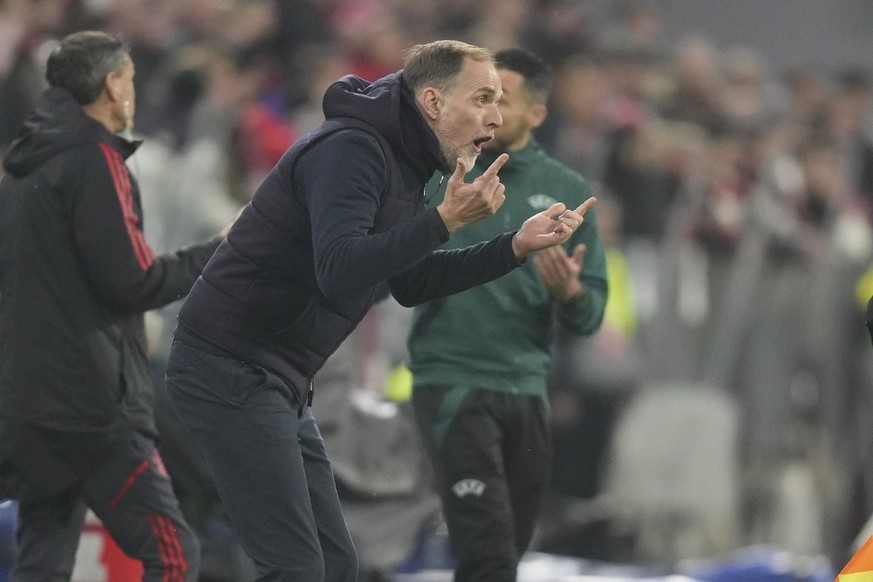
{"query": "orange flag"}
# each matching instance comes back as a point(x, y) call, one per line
point(860, 567)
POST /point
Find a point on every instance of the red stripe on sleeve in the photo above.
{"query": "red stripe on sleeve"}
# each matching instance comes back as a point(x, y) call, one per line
point(169, 548)
point(128, 483)
point(162, 547)
point(175, 544)
point(120, 177)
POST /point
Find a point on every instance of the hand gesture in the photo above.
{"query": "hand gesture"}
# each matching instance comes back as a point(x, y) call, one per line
point(467, 203)
point(549, 228)
point(560, 271)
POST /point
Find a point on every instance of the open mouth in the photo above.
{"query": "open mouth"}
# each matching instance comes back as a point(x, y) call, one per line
point(477, 143)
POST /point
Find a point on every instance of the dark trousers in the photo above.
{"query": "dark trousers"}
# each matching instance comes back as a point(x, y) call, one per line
point(269, 465)
point(490, 452)
point(133, 497)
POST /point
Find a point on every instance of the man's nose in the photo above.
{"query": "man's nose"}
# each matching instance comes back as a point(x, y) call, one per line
point(494, 119)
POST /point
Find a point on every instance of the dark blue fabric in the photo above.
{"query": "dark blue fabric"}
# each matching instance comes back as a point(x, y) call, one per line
point(269, 464)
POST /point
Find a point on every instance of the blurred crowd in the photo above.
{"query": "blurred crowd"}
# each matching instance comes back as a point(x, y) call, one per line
point(736, 202)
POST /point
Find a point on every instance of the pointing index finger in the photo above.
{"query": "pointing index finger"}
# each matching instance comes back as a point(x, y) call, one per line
point(585, 206)
point(495, 167)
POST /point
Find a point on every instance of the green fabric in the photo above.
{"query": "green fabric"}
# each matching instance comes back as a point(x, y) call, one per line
point(498, 335)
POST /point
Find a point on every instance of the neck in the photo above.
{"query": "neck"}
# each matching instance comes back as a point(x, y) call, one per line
point(520, 143)
point(102, 114)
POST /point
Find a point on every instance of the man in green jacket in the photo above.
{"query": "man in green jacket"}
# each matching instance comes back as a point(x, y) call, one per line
point(480, 358)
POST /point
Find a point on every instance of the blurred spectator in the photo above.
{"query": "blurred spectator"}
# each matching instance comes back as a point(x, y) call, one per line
point(808, 91)
point(831, 204)
point(316, 67)
point(214, 138)
point(300, 24)
point(204, 92)
point(847, 124)
point(152, 30)
point(639, 25)
point(501, 24)
point(578, 129)
point(27, 29)
point(719, 220)
point(696, 95)
point(750, 97)
point(645, 170)
point(370, 36)
point(562, 29)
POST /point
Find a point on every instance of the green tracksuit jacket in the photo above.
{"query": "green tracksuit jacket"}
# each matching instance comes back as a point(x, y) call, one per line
point(498, 335)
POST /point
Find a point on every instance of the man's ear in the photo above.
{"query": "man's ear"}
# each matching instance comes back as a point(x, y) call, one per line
point(431, 101)
point(537, 115)
point(113, 86)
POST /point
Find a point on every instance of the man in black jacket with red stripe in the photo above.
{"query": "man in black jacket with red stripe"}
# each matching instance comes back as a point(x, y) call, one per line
point(76, 276)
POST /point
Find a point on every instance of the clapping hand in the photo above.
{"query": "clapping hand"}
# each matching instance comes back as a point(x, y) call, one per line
point(560, 271)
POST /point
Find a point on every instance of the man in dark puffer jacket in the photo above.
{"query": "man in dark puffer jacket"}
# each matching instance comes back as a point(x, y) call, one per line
point(341, 215)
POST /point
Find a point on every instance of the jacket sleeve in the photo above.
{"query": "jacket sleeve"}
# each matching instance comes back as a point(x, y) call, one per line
point(342, 209)
point(107, 228)
point(343, 178)
point(445, 272)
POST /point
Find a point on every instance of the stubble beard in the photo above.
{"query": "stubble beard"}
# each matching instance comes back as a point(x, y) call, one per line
point(450, 153)
point(450, 159)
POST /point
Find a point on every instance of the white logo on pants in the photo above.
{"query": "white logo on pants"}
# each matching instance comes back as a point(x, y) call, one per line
point(468, 487)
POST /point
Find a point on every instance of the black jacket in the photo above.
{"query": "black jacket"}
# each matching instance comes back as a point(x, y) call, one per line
point(342, 213)
point(76, 276)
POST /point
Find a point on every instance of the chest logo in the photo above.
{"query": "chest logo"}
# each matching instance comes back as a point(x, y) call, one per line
point(466, 487)
point(541, 201)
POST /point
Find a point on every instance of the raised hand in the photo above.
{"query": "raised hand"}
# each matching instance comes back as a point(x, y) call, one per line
point(467, 203)
point(560, 271)
point(549, 228)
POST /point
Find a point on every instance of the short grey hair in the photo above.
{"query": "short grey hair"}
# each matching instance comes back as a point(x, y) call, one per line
point(82, 60)
point(438, 63)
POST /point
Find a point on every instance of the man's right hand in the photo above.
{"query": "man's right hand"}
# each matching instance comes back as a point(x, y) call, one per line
point(549, 228)
point(467, 203)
